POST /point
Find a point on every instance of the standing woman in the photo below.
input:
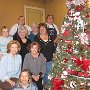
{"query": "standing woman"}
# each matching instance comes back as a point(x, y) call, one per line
point(34, 31)
point(52, 28)
point(23, 40)
point(10, 66)
point(35, 62)
point(47, 48)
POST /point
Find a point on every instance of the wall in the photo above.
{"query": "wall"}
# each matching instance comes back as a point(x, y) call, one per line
point(10, 10)
point(58, 9)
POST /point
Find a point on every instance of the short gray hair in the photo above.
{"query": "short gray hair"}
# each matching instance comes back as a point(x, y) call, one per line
point(22, 28)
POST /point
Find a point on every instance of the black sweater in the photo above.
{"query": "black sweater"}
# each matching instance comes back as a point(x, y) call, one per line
point(46, 48)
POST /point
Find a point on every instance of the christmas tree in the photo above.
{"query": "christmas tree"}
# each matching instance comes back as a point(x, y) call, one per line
point(71, 66)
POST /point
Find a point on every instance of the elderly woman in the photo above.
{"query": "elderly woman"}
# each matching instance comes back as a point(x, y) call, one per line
point(23, 40)
point(34, 31)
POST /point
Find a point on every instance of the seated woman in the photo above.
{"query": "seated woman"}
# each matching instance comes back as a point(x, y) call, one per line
point(25, 81)
point(10, 66)
point(35, 62)
point(4, 40)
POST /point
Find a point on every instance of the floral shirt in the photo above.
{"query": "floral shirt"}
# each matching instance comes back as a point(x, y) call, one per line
point(29, 87)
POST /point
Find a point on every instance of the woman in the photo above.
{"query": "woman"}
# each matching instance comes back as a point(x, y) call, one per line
point(52, 28)
point(34, 31)
point(23, 40)
point(35, 62)
point(10, 66)
point(25, 81)
point(4, 40)
point(47, 48)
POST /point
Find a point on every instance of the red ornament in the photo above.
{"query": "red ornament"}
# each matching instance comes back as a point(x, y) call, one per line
point(65, 59)
point(73, 72)
point(85, 75)
point(66, 33)
point(79, 8)
point(80, 74)
point(69, 46)
point(78, 62)
point(69, 11)
point(87, 16)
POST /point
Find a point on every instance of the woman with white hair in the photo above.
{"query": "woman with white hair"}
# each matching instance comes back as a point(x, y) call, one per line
point(23, 40)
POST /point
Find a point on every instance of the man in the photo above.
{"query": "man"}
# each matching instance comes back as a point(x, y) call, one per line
point(14, 28)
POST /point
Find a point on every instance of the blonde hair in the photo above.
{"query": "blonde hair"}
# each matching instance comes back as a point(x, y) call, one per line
point(13, 42)
point(29, 76)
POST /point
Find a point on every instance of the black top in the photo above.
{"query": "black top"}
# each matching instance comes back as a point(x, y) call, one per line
point(24, 49)
point(46, 48)
point(52, 32)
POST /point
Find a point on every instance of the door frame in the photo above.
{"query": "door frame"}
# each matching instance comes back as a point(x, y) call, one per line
point(31, 7)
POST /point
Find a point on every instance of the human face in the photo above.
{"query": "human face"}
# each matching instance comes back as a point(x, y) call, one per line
point(21, 21)
point(24, 78)
point(22, 33)
point(43, 30)
point(34, 27)
point(34, 49)
point(13, 49)
point(50, 20)
point(5, 33)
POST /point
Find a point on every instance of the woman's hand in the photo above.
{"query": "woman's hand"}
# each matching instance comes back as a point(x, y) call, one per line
point(12, 83)
point(36, 77)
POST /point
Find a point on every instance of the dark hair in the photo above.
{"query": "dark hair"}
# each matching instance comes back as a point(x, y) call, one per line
point(20, 17)
point(31, 45)
point(43, 25)
point(50, 15)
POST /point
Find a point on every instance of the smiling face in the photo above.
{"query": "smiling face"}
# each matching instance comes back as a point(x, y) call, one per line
point(22, 33)
point(34, 27)
point(24, 78)
point(34, 49)
point(43, 30)
point(13, 49)
point(5, 32)
point(50, 19)
point(21, 20)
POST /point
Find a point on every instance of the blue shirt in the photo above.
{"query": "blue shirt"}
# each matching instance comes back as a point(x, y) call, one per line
point(29, 87)
point(31, 36)
point(10, 67)
point(3, 43)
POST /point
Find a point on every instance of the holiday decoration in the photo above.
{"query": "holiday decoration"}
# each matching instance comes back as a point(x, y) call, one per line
point(71, 66)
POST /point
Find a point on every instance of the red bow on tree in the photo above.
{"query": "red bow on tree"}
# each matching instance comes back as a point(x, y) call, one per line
point(85, 64)
point(57, 84)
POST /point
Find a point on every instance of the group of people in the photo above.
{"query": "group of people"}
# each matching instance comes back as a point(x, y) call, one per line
point(26, 54)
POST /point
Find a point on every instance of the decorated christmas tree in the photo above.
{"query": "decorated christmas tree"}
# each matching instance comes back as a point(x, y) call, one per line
point(71, 66)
